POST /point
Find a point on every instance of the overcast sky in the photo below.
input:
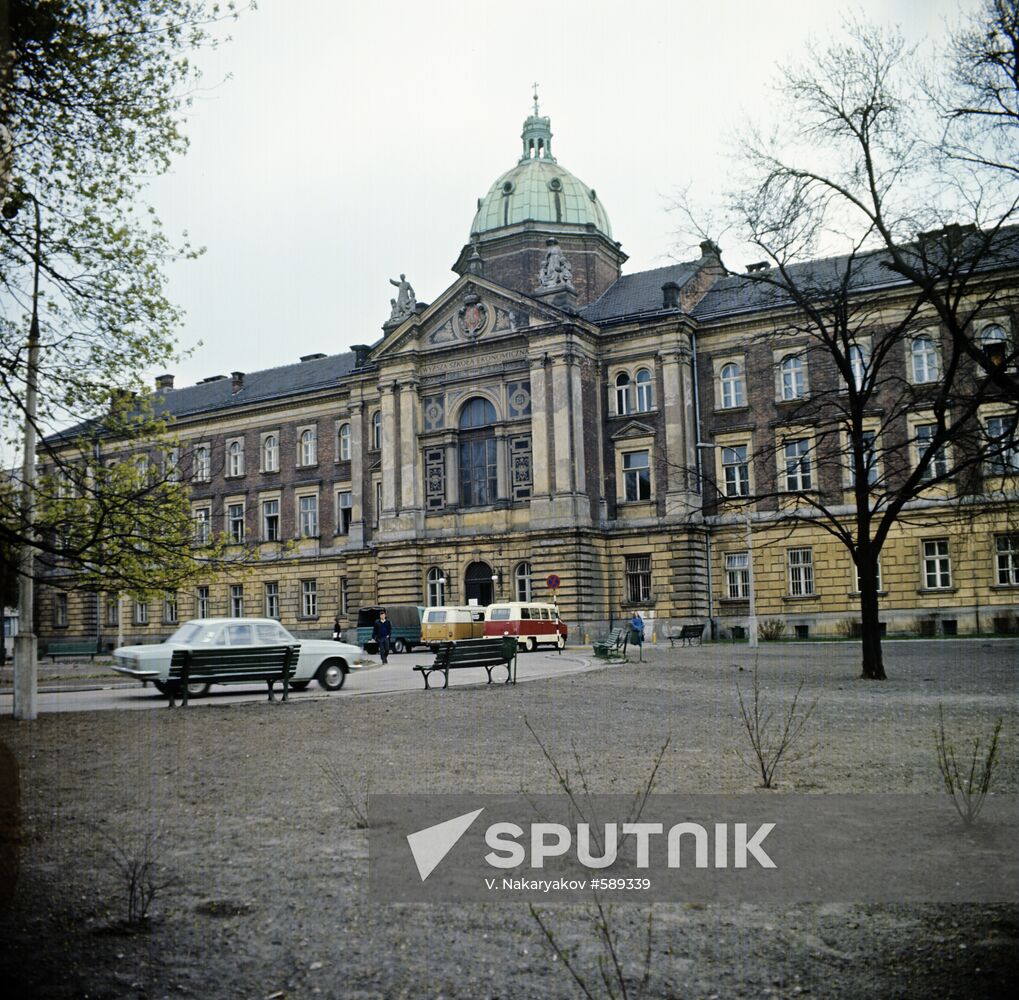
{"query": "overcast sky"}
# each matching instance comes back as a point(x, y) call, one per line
point(352, 141)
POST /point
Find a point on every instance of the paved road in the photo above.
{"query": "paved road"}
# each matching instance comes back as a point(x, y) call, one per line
point(372, 678)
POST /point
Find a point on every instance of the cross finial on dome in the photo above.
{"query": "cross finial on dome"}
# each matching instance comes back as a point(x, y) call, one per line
point(535, 85)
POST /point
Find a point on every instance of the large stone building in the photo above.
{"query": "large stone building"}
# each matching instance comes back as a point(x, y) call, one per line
point(549, 414)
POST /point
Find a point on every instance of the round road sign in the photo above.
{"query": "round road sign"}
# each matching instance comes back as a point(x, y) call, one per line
point(552, 581)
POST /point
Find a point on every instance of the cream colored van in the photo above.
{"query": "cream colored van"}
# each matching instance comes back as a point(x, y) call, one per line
point(445, 624)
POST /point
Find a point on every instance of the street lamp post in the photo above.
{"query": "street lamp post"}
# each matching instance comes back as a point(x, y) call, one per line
point(26, 645)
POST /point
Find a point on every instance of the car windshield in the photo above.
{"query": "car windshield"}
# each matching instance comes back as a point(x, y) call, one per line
point(188, 633)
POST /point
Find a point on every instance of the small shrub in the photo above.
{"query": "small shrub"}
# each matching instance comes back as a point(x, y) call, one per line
point(141, 880)
point(772, 739)
point(771, 628)
point(355, 801)
point(846, 627)
point(968, 788)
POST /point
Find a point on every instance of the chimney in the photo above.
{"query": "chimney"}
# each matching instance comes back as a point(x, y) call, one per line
point(164, 382)
point(360, 354)
point(670, 295)
point(237, 381)
point(311, 357)
point(710, 249)
point(761, 265)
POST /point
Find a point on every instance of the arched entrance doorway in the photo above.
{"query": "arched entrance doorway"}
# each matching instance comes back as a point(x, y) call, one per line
point(478, 583)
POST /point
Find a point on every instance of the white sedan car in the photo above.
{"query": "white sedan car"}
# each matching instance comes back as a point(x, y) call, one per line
point(321, 659)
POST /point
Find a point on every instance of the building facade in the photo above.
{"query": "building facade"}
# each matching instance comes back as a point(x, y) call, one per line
point(549, 414)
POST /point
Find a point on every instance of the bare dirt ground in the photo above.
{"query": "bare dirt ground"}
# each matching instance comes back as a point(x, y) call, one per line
point(266, 869)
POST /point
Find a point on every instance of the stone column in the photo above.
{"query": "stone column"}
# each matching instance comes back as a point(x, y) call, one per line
point(680, 446)
point(561, 426)
point(503, 490)
point(390, 448)
point(355, 537)
point(410, 455)
point(540, 470)
point(579, 417)
point(452, 492)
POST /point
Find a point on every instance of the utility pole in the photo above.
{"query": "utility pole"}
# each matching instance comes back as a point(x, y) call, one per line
point(25, 643)
point(752, 624)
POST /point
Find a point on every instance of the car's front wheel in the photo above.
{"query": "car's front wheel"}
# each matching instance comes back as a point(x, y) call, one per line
point(332, 674)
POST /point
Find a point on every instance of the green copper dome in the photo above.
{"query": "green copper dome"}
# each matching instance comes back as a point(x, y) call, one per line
point(537, 189)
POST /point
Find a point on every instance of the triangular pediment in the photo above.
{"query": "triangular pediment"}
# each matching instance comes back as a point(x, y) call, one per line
point(634, 429)
point(467, 314)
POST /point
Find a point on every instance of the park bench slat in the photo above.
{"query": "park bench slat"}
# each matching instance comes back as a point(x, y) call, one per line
point(687, 635)
point(613, 645)
point(226, 665)
point(487, 653)
point(69, 648)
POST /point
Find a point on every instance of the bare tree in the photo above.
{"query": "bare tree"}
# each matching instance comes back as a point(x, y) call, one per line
point(891, 327)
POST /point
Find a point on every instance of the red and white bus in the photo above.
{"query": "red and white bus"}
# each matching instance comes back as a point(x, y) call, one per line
point(532, 624)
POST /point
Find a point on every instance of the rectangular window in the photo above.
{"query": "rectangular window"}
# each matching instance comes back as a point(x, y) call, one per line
point(141, 612)
point(637, 475)
point(377, 512)
point(201, 602)
point(309, 599)
point(171, 465)
point(938, 466)
point(797, 465)
point(1004, 448)
point(271, 520)
point(237, 600)
point(856, 577)
point(235, 522)
point(272, 600)
point(170, 607)
point(309, 516)
point(478, 476)
point(344, 595)
point(344, 510)
point(520, 467)
point(736, 471)
point(737, 575)
point(801, 572)
point(937, 566)
point(638, 579)
point(1007, 547)
point(112, 609)
point(203, 525)
point(869, 441)
point(60, 610)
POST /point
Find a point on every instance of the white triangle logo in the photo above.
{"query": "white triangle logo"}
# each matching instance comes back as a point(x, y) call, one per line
point(431, 845)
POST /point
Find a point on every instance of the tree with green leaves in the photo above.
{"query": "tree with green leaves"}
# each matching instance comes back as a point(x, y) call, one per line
point(92, 103)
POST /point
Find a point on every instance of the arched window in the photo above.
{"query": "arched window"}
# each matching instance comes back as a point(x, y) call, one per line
point(478, 477)
point(993, 334)
point(309, 446)
point(436, 587)
point(522, 581)
point(235, 459)
point(793, 383)
point(733, 388)
point(645, 391)
point(925, 360)
point(343, 439)
point(270, 453)
point(377, 430)
point(622, 393)
point(858, 365)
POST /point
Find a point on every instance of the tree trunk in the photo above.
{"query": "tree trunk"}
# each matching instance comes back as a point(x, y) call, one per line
point(870, 611)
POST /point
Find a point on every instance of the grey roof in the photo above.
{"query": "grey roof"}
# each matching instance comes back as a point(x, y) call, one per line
point(819, 279)
point(638, 293)
point(272, 383)
point(209, 397)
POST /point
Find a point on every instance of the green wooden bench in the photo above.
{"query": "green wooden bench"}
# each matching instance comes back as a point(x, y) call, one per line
point(487, 653)
point(687, 635)
point(87, 648)
point(231, 665)
point(613, 646)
